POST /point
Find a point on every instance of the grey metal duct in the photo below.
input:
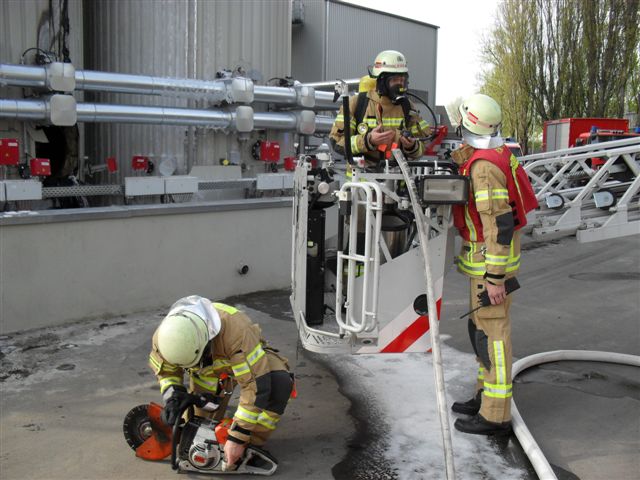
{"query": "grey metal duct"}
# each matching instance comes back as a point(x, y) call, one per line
point(56, 110)
point(62, 77)
point(330, 85)
point(243, 119)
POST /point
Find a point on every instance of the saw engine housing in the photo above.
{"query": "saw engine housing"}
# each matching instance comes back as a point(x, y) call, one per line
point(198, 448)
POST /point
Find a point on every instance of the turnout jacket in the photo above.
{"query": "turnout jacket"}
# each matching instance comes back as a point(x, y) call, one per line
point(392, 117)
point(499, 199)
point(237, 350)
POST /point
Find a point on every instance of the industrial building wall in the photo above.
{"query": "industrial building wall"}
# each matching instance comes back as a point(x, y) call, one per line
point(184, 39)
point(308, 45)
point(55, 272)
point(27, 24)
point(353, 36)
point(20, 21)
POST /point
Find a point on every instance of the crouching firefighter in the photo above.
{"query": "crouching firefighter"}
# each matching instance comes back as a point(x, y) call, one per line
point(213, 341)
point(499, 199)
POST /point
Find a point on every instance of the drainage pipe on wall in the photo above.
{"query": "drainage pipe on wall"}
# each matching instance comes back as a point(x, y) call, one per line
point(529, 444)
point(63, 77)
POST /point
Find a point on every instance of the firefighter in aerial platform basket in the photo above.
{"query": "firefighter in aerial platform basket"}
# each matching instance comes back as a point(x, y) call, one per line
point(499, 199)
point(381, 116)
point(213, 341)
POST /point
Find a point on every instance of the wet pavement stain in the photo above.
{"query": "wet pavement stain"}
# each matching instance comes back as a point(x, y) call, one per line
point(266, 301)
point(536, 245)
point(102, 326)
point(605, 276)
point(66, 366)
point(365, 458)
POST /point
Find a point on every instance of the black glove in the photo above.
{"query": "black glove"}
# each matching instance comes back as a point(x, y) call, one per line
point(173, 406)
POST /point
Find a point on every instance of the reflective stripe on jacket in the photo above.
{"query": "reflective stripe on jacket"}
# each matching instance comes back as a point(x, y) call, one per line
point(499, 199)
point(517, 191)
point(392, 117)
point(238, 351)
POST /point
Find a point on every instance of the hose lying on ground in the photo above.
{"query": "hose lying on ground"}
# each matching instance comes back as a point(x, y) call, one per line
point(529, 445)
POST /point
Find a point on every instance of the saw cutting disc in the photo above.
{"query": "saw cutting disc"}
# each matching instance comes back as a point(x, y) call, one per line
point(137, 426)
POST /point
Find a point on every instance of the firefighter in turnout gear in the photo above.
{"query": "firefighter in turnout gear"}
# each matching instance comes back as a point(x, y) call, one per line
point(382, 118)
point(499, 199)
point(211, 342)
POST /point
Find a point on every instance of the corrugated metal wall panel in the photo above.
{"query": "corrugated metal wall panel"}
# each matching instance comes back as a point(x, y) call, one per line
point(308, 43)
point(139, 37)
point(254, 35)
point(19, 20)
point(356, 36)
point(187, 39)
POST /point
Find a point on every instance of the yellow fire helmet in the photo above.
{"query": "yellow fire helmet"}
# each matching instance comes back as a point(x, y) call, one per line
point(481, 118)
point(389, 61)
point(182, 338)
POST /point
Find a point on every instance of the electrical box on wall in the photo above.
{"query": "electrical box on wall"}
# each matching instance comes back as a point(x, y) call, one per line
point(266, 151)
point(140, 186)
point(9, 151)
point(22, 190)
point(40, 167)
point(180, 184)
point(269, 151)
point(140, 162)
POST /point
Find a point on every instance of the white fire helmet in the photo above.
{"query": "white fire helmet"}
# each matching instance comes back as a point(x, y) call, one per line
point(481, 118)
point(389, 61)
point(182, 337)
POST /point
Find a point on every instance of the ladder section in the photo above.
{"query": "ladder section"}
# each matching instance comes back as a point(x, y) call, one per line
point(592, 192)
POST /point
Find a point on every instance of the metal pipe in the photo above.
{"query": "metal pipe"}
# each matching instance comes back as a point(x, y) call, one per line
point(24, 109)
point(22, 76)
point(39, 110)
point(238, 90)
point(331, 85)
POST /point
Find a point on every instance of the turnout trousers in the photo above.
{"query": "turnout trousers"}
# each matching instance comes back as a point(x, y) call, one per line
point(490, 335)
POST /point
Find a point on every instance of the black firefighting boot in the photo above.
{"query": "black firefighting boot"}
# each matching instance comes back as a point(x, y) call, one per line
point(477, 425)
point(470, 407)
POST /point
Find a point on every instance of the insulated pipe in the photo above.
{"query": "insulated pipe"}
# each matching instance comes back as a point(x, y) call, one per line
point(331, 85)
point(216, 90)
point(243, 118)
point(529, 445)
point(22, 76)
point(24, 109)
point(239, 90)
point(423, 233)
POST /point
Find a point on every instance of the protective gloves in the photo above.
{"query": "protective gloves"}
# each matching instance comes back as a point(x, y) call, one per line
point(173, 404)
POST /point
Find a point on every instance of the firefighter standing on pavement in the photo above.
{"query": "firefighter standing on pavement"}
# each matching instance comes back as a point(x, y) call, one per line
point(210, 341)
point(382, 117)
point(499, 199)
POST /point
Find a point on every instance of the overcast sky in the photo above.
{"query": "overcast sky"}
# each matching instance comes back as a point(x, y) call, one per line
point(462, 24)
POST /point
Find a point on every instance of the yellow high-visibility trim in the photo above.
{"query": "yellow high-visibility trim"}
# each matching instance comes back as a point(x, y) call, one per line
point(246, 415)
point(498, 260)
point(498, 391)
point(499, 362)
point(154, 363)
point(473, 236)
point(499, 194)
point(481, 195)
point(168, 381)
point(226, 308)
point(354, 144)
point(267, 421)
point(240, 369)
point(255, 355)
point(208, 383)
point(220, 363)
